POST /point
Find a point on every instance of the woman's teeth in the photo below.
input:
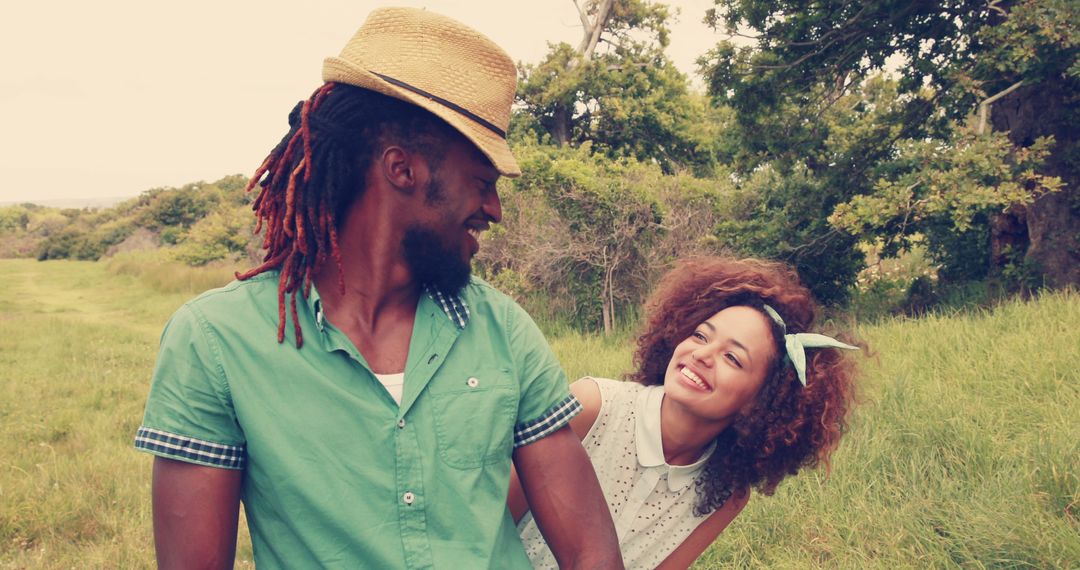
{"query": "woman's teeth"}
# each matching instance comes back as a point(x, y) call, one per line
point(691, 376)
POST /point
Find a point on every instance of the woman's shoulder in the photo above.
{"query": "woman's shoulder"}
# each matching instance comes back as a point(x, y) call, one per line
point(608, 388)
point(605, 402)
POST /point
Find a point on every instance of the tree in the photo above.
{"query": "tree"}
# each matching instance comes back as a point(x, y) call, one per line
point(1012, 65)
point(616, 90)
point(223, 233)
point(178, 207)
point(581, 218)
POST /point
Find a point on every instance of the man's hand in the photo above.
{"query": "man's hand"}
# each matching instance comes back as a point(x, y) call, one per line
point(567, 503)
point(196, 510)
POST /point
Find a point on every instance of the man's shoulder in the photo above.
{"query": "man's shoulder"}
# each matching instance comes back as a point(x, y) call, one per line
point(477, 286)
point(481, 297)
point(235, 299)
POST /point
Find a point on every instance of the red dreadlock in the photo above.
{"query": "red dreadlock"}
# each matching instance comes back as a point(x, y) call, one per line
point(317, 171)
point(300, 227)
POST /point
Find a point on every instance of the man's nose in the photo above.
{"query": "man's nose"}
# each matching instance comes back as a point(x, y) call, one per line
point(492, 205)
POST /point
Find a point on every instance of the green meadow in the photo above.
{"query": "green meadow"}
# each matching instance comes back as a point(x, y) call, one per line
point(963, 453)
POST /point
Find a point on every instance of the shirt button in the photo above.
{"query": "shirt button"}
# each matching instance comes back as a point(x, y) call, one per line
point(408, 497)
point(401, 423)
point(472, 382)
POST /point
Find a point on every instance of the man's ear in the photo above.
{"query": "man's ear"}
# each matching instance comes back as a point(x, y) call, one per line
point(401, 168)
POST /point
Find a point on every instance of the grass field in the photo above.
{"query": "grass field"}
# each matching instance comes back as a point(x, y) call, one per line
point(965, 452)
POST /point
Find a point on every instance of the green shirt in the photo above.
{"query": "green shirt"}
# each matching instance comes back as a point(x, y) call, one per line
point(336, 474)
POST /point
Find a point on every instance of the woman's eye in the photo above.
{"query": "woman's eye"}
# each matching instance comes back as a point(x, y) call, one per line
point(698, 335)
point(734, 359)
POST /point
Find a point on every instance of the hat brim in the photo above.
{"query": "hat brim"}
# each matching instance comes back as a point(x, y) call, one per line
point(494, 147)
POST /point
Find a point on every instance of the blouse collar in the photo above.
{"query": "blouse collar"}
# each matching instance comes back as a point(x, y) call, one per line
point(650, 446)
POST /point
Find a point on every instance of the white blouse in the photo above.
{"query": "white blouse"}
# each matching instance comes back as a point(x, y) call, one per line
point(651, 502)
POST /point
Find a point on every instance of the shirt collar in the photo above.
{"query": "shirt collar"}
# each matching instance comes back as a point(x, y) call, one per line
point(314, 303)
point(453, 305)
point(650, 446)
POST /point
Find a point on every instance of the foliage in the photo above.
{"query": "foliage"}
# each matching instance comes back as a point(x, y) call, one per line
point(953, 59)
point(14, 218)
point(182, 207)
point(795, 166)
point(206, 221)
point(1021, 273)
point(592, 232)
point(956, 180)
point(903, 284)
point(962, 49)
point(223, 234)
point(780, 212)
point(961, 255)
point(618, 91)
point(606, 214)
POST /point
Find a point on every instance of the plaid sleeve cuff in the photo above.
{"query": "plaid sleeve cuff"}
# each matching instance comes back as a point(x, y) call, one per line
point(550, 421)
point(189, 449)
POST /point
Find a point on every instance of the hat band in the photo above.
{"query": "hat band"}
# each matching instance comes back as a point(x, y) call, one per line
point(444, 103)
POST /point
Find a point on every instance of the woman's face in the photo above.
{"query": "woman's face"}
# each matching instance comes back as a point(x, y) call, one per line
point(718, 370)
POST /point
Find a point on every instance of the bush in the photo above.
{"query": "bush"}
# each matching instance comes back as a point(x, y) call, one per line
point(223, 234)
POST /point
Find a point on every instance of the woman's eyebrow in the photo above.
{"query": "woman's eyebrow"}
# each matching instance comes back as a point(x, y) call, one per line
point(744, 349)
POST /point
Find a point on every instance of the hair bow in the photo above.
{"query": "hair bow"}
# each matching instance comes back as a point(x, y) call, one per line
point(796, 344)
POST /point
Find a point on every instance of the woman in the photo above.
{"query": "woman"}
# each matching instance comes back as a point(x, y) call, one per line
point(730, 393)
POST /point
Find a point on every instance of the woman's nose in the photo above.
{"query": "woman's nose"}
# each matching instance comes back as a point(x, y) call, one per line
point(704, 355)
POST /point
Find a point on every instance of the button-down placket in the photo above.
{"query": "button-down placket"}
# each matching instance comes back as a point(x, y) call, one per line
point(636, 500)
point(426, 355)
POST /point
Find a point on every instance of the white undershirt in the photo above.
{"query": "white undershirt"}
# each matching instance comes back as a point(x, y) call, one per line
point(393, 383)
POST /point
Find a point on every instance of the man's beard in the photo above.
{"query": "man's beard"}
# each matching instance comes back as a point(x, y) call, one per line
point(433, 263)
point(431, 260)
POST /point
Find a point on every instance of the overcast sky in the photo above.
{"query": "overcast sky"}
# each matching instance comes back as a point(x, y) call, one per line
point(111, 98)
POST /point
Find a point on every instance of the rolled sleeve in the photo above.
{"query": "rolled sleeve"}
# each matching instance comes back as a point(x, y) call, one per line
point(552, 420)
point(546, 403)
point(189, 414)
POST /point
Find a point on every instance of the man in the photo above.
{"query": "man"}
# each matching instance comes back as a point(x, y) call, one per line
point(377, 431)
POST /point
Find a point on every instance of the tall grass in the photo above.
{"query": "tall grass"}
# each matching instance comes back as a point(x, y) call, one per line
point(965, 451)
point(963, 454)
point(77, 344)
point(168, 275)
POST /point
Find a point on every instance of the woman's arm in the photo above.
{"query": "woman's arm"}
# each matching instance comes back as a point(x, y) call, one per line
point(704, 535)
point(588, 393)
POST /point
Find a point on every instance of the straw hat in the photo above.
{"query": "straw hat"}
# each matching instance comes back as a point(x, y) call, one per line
point(439, 64)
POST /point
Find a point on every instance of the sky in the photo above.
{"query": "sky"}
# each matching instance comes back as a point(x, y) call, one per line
point(111, 98)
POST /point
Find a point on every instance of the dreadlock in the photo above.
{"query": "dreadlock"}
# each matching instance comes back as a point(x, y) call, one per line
point(312, 177)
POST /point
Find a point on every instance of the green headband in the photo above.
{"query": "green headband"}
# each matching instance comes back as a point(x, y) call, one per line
point(796, 344)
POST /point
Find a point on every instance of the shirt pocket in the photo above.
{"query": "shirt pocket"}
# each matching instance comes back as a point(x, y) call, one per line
point(474, 419)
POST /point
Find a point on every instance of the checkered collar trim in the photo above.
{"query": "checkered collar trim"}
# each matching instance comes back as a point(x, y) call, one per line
point(453, 305)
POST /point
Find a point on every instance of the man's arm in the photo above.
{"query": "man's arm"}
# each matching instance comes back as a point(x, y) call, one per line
point(566, 501)
point(196, 509)
point(588, 393)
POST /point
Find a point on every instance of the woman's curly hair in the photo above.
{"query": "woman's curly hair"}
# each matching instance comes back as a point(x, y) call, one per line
point(788, 426)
